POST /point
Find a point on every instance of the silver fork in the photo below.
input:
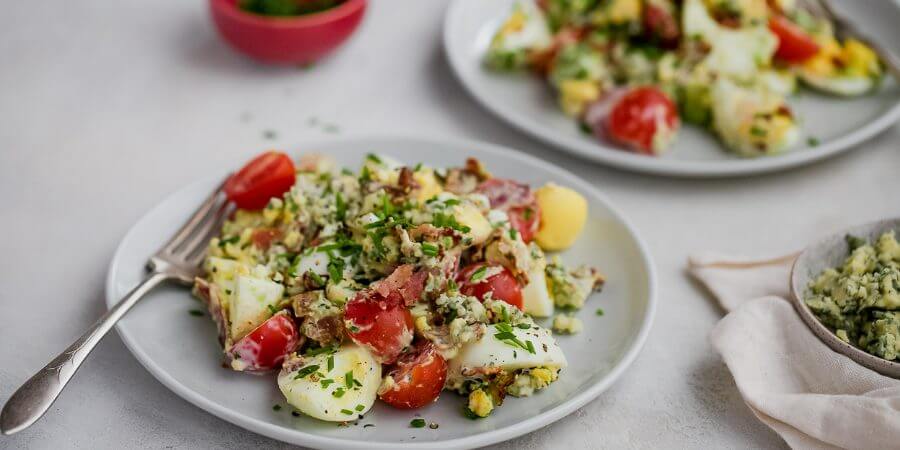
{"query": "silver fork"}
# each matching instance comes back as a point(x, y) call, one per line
point(178, 260)
point(844, 28)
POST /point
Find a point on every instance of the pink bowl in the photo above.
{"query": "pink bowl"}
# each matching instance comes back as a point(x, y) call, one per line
point(286, 40)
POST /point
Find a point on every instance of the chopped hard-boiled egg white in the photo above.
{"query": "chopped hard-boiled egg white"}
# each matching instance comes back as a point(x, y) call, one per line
point(535, 295)
point(428, 184)
point(469, 216)
point(540, 350)
point(752, 121)
point(782, 82)
point(253, 302)
point(563, 214)
point(735, 53)
point(223, 273)
point(526, 28)
point(336, 387)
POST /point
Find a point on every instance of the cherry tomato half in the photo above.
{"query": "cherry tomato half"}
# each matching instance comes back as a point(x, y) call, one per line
point(419, 377)
point(270, 174)
point(502, 286)
point(382, 325)
point(526, 220)
point(639, 116)
point(794, 45)
point(266, 346)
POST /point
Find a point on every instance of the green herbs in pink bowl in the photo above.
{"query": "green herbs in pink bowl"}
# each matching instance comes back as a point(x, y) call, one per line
point(287, 8)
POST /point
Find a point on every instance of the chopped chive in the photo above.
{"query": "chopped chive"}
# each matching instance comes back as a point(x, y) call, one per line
point(339, 392)
point(330, 362)
point(417, 423)
point(276, 407)
point(347, 412)
point(360, 407)
point(325, 382)
point(306, 371)
point(812, 141)
point(272, 309)
point(320, 350)
point(316, 278)
point(348, 379)
point(374, 158)
point(600, 311)
point(196, 313)
point(478, 274)
point(429, 249)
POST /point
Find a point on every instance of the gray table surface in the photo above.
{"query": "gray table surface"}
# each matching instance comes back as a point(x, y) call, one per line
point(107, 107)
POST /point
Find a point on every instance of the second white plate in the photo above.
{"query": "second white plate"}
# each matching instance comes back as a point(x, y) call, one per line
point(525, 102)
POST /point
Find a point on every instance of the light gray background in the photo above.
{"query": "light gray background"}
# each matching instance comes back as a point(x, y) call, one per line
point(107, 107)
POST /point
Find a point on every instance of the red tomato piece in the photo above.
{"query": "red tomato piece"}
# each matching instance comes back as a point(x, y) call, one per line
point(526, 220)
point(639, 116)
point(266, 346)
point(270, 174)
point(383, 325)
point(794, 44)
point(419, 377)
point(502, 286)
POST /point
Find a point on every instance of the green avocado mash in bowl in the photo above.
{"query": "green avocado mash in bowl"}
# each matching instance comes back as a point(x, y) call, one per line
point(847, 290)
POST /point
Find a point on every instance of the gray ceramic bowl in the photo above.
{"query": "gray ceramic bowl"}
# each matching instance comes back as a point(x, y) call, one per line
point(831, 252)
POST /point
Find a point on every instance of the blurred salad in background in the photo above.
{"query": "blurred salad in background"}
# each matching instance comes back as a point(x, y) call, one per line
point(631, 71)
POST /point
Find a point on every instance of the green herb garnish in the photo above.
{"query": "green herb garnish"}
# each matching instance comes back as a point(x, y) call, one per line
point(348, 379)
point(429, 249)
point(347, 412)
point(340, 207)
point(478, 274)
point(417, 423)
point(306, 371)
point(276, 407)
point(600, 311)
point(196, 313)
point(505, 334)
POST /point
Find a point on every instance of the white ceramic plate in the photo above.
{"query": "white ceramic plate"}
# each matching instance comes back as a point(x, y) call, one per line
point(527, 103)
point(182, 351)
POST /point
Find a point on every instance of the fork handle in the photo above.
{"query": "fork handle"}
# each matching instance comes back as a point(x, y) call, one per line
point(34, 398)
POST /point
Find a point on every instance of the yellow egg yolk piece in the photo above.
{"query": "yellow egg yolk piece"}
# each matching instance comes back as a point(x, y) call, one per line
point(563, 214)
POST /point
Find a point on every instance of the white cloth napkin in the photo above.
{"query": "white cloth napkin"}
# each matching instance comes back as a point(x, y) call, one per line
point(810, 395)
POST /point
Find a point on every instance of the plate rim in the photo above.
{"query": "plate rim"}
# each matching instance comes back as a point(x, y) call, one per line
point(619, 159)
point(481, 439)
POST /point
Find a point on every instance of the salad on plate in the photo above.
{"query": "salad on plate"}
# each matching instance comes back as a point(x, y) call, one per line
point(394, 282)
point(632, 71)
